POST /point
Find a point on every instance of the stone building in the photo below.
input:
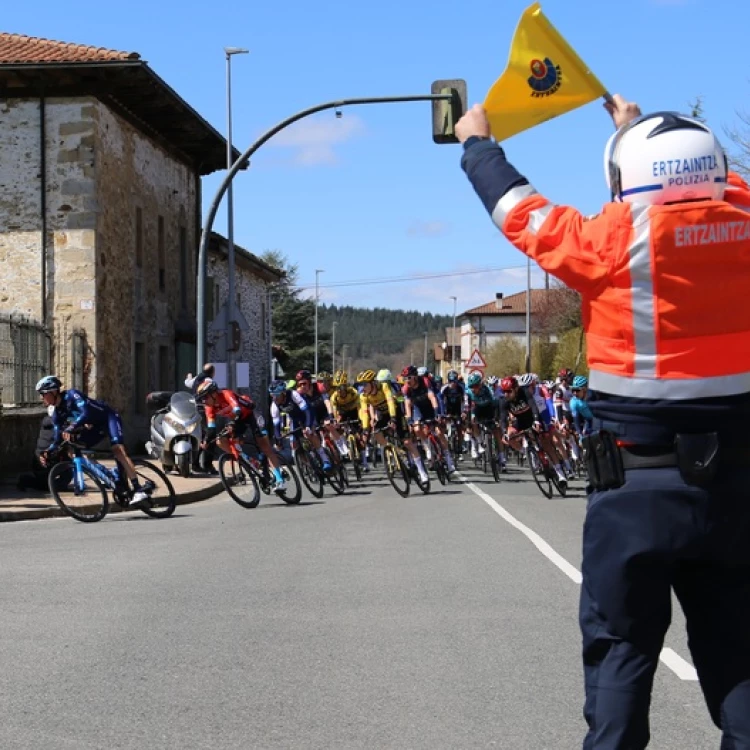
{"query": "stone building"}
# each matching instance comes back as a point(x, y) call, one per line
point(100, 215)
point(252, 277)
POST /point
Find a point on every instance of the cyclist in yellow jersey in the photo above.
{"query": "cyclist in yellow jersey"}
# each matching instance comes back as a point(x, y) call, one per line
point(345, 403)
point(344, 398)
point(378, 404)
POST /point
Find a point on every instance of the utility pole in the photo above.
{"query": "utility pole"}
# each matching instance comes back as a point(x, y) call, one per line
point(528, 314)
point(318, 271)
point(333, 347)
point(453, 334)
point(230, 322)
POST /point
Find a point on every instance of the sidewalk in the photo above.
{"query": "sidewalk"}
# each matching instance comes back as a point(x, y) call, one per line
point(31, 504)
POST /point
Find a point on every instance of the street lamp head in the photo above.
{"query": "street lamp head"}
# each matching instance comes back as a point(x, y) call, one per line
point(235, 51)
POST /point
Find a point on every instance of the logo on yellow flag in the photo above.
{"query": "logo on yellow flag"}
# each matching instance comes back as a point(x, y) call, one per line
point(544, 78)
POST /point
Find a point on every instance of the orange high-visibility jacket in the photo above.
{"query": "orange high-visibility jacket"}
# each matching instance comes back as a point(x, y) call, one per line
point(666, 289)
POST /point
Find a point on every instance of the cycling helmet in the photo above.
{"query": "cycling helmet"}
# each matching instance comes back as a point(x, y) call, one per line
point(438, 380)
point(452, 376)
point(409, 371)
point(534, 377)
point(291, 384)
point(48, 383)
point(205, 389)
point(580, 381)
point(665, 157)
point(366, 376)
point(422, 371)
point(384, 376)
point(324, 376)
point(493, 380)
point(508, 384)
point(525, 380)
point(277, 387)
point(341, 378)
point(565, 373)
point(303, 375)
point(474, 379)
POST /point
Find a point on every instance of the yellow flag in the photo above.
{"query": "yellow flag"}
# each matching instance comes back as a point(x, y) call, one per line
point(544, 78)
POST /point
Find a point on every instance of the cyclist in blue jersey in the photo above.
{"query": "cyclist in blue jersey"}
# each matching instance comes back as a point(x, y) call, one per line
point(78, 418)
point(454, 398)
point(290, 402)
point(580, 411)
point(483, 409)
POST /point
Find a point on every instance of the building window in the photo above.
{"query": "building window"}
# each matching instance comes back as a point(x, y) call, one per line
point(141, 378)
point(162, 256)
point(184, 268)
point(164, 368)
point(139, 237)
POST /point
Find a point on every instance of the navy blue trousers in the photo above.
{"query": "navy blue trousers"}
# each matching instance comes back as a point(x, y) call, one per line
point(653, 535)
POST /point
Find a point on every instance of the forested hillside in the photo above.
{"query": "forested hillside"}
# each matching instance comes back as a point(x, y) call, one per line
point(363, 338)
point(371, 332)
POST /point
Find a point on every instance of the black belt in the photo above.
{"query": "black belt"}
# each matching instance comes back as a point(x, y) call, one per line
point(732, 454)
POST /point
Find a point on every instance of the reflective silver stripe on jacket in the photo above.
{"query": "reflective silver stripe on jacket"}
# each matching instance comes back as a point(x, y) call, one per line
point(511, 199)
point(642, 300)
point(670, 389)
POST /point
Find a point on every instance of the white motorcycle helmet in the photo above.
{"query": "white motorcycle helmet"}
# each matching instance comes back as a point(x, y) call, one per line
point(665, 157)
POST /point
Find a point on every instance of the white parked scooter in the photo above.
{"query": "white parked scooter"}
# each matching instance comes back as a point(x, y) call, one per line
point(176, 432)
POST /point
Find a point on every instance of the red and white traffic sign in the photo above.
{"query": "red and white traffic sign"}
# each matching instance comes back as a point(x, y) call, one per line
point(476, 361)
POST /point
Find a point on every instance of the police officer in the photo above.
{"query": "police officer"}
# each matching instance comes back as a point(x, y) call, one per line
point(664, 275)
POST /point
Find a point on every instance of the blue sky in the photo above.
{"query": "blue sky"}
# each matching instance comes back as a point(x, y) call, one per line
point(369, 195)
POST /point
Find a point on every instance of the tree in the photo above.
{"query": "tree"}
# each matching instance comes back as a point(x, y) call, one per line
point(739, 135)
point(558, 311)
point(696, 109)
point(292, 317)
point(506, 357)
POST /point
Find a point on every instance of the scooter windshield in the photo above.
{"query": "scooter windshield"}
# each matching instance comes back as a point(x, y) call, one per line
point(182, 406)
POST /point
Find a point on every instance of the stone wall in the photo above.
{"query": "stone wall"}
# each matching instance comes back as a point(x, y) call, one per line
point(19, 430)
point(20, 207)
point(253, 302)
point(100, 171)
point(141, 303)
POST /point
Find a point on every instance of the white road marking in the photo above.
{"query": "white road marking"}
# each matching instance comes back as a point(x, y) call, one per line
point(682, 668)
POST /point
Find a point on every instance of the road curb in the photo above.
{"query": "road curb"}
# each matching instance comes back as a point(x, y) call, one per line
point(54, 511)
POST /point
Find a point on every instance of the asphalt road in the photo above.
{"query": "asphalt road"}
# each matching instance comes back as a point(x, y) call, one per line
point(360, 621)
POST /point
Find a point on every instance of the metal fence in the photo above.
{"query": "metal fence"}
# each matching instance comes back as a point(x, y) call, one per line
point(24, 358)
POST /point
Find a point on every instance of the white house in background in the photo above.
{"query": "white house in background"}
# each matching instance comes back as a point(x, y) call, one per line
point(485, 325)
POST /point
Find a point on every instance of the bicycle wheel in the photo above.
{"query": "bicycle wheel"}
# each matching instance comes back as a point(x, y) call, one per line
point(309, 471)
point(494, 464)
point(354, 456)
point(239, 481)
point(83, 498)
point(539, 473)
point(397, 473)
point(441, 471)
point(338, 478)
point(561, 487)
point(293, 492)
point(162, 501)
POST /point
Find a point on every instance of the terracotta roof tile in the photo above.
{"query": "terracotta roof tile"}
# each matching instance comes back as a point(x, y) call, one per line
point(22, 49)
point(513, 304)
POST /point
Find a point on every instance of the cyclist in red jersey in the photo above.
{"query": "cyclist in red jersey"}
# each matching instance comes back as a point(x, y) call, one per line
point(241, 411)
